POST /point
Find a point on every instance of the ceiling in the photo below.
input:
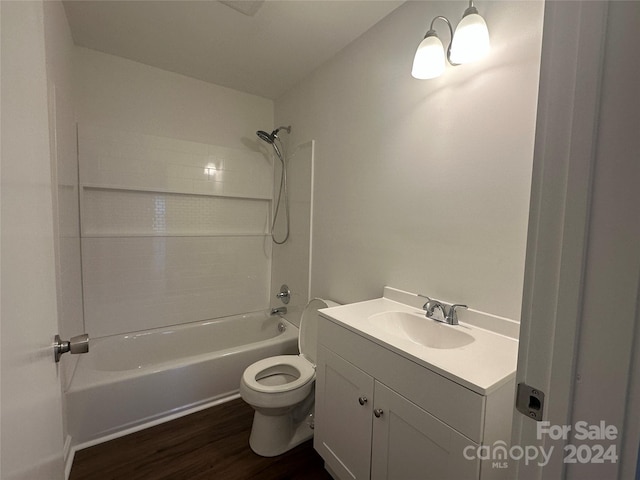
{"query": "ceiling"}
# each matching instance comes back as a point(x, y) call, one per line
point(265, 54)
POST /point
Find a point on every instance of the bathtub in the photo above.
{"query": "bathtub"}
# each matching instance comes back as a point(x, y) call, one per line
point(127, 382)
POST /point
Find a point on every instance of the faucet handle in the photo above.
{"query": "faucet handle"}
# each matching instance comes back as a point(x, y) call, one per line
point(428, 300)
point(452, 316)
point(456, 305)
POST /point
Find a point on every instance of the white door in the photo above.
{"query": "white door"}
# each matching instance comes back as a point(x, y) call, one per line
point(31, 436)
point(583, 254)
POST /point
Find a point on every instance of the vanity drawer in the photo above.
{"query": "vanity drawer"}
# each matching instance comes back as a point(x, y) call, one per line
point(455, 405)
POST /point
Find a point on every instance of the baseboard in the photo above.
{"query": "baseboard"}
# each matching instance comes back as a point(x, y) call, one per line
point(150, 424)
point(329, 471)
point(68, 454)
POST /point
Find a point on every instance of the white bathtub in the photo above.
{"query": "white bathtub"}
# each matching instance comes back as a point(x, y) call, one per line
point(130, 381)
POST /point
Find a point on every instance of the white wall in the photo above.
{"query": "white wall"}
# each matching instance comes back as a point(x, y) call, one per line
point(172, 231)
point(423, 185)
point(129, 96)
point(147, 136)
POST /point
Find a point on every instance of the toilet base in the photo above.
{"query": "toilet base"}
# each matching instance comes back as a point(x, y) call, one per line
point(273, 435)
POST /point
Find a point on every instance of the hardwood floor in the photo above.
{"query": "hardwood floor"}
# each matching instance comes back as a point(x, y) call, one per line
point(211, 444)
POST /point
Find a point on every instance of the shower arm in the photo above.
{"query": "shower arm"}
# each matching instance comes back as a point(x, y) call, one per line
point(275, 132)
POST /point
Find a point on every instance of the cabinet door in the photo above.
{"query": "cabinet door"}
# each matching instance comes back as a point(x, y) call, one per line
point(342, 436)
point(411, 444)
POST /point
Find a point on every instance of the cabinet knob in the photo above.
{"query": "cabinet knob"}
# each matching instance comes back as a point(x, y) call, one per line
point(362, 400)
point(378, 412)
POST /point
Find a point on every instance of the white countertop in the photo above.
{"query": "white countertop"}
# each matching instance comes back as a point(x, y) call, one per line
point(483, 365)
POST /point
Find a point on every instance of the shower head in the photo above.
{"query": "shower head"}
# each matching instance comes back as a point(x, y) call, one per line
point(267, 137)
point(271, 137)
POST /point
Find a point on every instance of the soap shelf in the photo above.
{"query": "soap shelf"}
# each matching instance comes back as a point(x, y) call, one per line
point(109, 213)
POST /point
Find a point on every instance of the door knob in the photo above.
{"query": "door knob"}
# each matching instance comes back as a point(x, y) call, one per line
point(77, 344)
point(362, 400)
point(378, 412)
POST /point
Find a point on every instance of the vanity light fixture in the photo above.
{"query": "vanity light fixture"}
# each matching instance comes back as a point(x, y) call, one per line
point(469, 43)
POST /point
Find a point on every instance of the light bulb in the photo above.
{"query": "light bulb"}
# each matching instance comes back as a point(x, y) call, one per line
point(471, 39)
point(429, 59)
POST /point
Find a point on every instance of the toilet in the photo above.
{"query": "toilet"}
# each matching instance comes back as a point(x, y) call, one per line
point(281, 391)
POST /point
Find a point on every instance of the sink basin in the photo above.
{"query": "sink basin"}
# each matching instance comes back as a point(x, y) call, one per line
point(421, 330)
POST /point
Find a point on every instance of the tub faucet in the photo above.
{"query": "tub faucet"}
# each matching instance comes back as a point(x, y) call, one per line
point(279, 311)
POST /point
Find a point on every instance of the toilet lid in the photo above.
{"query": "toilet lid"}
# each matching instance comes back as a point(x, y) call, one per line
point(308, 336)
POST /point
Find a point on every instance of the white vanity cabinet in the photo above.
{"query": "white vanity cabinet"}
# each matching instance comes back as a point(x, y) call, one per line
point(366, 430)
point(379, 415)
point(409, 443)
point(343, 419)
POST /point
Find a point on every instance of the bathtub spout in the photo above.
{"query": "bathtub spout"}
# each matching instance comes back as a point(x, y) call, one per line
point(279, 311)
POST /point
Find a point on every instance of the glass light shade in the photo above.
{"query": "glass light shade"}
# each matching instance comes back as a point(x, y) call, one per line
point(471, 40)
point(429, 59)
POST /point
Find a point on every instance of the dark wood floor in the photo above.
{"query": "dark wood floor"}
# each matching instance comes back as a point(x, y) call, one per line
point(211, 444)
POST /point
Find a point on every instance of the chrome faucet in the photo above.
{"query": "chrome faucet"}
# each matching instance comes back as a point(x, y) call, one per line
point(434, 309)
point(279, 311)
point(438, 311)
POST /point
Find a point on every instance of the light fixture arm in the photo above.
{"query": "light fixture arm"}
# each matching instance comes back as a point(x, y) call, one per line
point(433, 32)
point(470, 9)
point(471, 5)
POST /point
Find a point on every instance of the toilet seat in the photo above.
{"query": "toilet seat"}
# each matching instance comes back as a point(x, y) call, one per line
point(281, 364)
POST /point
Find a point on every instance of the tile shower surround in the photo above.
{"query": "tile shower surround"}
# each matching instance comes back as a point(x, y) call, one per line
point(172, 231)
